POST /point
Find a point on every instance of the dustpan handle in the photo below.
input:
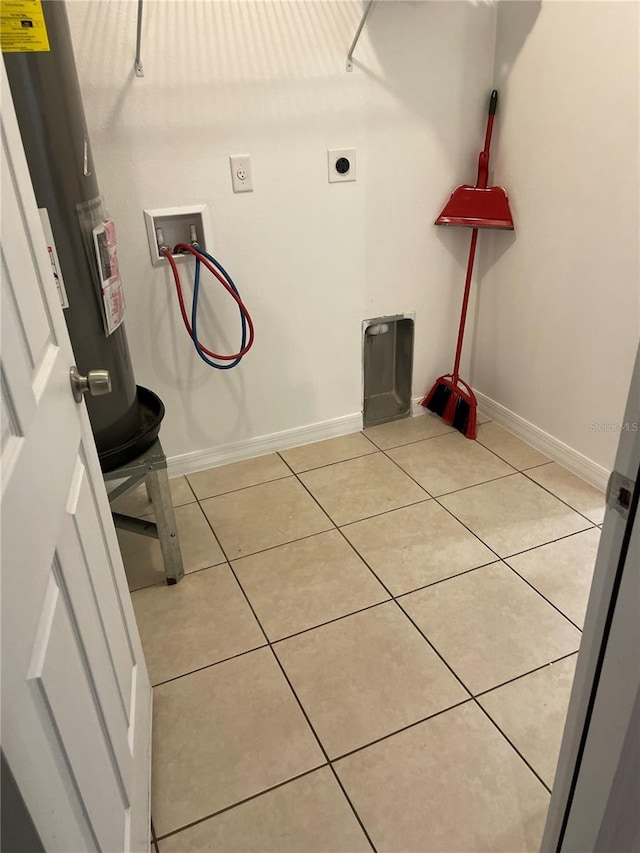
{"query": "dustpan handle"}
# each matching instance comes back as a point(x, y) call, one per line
point(483, 159)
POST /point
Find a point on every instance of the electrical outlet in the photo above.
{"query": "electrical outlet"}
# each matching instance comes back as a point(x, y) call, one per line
point(241, 177)
point(342, 164)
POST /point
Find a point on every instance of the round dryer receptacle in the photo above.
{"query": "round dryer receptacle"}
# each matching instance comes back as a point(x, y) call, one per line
point(342, 165)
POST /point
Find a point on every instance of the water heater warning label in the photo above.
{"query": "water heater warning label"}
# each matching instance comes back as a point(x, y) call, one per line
point(22, 26)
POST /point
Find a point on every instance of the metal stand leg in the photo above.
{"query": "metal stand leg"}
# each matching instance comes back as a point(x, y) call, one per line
point(157, 483)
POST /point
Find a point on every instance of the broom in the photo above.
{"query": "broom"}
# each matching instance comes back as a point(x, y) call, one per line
point(479, 207)
point(451, 397)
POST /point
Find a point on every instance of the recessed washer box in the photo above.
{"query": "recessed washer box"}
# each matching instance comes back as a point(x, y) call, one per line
point(175, 223)
point(387, 368)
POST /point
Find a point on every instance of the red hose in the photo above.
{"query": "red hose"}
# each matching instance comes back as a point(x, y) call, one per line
point(185, 247)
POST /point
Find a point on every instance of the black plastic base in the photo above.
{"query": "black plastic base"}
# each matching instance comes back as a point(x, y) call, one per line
point(151, 415)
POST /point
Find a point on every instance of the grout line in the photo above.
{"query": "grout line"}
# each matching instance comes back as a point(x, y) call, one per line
point(506, 461)
point(402, 729)
point(550, 542)
point(542, 595)
point(446, 509)
point(280, 545)
point(464, 488)
point(406, 443)
point(377, 514)
point(448, 578)
point(242, 488)
point(324, 752)
point(473, 533)
point(525, 674)
point(154, 840)
point(531, 480)
point(300, 705)
point(366, 518)
point(539, 465)
point(209, 665)
point(320, 744)
point(428, 641)
point(372, 452)
point(517, 751)
point(512, 745)
point(353, 808)
point(330, 621)
point(189, 486)
point(241, 802)
point(163, 581)
point(450, 668)
point(380, 581)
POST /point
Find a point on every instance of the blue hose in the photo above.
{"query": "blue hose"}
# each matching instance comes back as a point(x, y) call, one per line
point(194, 313)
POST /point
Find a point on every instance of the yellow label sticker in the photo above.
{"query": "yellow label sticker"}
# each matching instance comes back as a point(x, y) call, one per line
point(22, 26)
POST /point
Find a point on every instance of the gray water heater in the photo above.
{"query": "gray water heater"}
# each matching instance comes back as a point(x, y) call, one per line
point(46, 93)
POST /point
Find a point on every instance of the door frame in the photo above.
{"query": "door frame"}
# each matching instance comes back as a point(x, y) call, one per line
point(594, 784)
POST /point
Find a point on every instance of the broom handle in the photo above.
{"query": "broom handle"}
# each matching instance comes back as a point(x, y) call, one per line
point(465, 303)
point(483, 160)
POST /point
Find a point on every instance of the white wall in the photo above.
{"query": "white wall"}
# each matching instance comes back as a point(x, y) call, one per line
point(312, 260)
point(559, 302)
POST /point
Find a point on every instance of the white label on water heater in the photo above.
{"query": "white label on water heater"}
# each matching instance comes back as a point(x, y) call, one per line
point(53, 257)
point(104, 238)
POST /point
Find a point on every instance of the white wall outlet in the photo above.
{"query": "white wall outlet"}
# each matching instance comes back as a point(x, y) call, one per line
point(173, 224)
point(342, 164)
point(241, 176)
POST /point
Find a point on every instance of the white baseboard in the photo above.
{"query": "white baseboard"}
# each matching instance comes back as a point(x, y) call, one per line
point(552, 447)
point(416, 408)
point(200, 460)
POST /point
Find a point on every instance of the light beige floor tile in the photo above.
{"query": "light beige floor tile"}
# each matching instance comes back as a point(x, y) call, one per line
point(449, 462)
point(238, 475)
point(490, 626)
point(309, 815)
point(143, 559)
point(406, 430)
point(137, 503)
point(361, 487)
point(509, 447)
point(223, 734)
point(513, 514)
point(203, 619)
point(263, 516)
point(531, 712)
point(449, 785)
point(305, 583)
point(416, 545)
point(328, 452)
point(562, 571)
point(571, 489)
point(481, 418)
point(365, 676)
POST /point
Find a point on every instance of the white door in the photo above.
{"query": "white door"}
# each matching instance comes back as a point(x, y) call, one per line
point(76, 699)
point(596, 792)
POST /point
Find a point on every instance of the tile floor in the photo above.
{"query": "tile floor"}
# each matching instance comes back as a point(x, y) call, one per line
point(373, 646)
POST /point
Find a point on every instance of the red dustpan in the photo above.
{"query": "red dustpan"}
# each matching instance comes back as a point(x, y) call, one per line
point(480, 206)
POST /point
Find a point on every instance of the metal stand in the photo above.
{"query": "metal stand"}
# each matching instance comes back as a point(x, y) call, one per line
point(151, 468)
